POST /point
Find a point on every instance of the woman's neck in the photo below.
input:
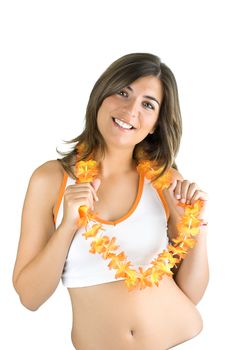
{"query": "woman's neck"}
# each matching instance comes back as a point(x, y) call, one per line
point(116, 163)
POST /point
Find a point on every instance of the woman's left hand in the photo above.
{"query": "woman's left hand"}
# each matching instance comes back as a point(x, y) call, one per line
point(186, 192)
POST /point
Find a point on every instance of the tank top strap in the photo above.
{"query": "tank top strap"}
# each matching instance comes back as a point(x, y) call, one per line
point(160, 193)
point(60, 195)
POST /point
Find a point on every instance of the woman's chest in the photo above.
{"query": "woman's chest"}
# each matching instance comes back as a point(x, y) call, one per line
point(116, 197)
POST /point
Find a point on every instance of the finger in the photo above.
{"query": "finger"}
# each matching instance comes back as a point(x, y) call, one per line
point(94, 192)
point(184, 188)
point(177, 190)
point(84, 194)
point(174, 189)
point(81, 191)
point(84, 185)
point(168, 192)
point(199, 195)
point(172, 186)
point(96, 183)
point(86, 201)
point(191, 190)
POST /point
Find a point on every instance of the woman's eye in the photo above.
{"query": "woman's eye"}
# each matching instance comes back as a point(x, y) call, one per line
point(146, 104)
point(149, 105)
point(122, 91)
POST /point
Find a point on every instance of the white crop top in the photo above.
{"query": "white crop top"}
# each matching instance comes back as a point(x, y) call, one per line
point(141, 234)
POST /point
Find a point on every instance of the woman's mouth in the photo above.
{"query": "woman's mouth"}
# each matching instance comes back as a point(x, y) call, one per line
point(121, 125)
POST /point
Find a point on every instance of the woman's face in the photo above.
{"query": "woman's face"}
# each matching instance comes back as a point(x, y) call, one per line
point(137, 106)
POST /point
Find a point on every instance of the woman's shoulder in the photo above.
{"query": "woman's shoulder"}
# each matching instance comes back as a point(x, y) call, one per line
point(49, 176)
point(51, 170)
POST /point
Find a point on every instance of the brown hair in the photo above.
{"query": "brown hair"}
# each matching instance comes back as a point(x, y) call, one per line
point(163, 144)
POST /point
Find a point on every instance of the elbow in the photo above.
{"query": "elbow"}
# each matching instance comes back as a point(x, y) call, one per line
point(195, 299)
point(198, 298)
point(28, 305)
point(25, 298)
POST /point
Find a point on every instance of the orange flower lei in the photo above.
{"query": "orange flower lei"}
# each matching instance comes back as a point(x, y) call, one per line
point(188, 226)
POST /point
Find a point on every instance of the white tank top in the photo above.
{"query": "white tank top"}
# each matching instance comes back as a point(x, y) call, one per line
point(141, 234)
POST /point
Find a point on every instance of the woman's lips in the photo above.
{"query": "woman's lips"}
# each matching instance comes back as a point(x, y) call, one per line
point(121, 128)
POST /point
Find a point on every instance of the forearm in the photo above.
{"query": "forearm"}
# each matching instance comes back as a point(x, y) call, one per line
point(38, 279)
point(193, 273)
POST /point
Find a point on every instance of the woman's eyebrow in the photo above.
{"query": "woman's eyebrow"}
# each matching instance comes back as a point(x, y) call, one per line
point(146, 96)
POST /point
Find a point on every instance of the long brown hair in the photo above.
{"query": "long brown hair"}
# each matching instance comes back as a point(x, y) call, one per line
point(163, 144)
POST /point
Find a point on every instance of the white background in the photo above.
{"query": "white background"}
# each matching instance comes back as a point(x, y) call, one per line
point(52, 52)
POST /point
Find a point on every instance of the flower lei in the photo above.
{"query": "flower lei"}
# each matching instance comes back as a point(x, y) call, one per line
point(188, 226)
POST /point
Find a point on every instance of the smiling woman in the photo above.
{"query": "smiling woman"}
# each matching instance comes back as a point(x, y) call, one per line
point(132, 113)
point(120, 80)
point(132, 116)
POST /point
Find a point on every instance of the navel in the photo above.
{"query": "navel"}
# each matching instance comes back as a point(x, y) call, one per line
point(132, 332)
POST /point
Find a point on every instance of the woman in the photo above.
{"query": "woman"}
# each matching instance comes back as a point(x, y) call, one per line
point(133, 114)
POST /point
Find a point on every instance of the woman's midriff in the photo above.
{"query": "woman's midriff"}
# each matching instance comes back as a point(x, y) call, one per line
point(109, 317)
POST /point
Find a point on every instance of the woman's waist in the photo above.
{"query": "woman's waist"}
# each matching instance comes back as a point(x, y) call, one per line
point(160, 305)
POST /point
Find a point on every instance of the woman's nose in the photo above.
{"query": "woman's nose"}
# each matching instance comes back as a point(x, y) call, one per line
point(132, 107)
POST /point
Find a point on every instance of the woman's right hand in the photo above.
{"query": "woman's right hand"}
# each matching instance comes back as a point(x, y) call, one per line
point(75, 196)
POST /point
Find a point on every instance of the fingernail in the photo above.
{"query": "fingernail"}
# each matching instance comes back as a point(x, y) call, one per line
point(178, 196)
point(183, 200)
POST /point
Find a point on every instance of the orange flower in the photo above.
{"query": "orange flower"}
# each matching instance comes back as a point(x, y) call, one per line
point(166, 257)
point(163, 181)
point(131, 277)
point(123, 269)
point(97, 246)
point(190, 242)
point(83, 215)
point(116, 259)
point(93, 231)
point(144, 278)
point(155, 275)
point(190, 219)
point(86, 171)
point(132, 284)
point(194, 209)
point(188, 229)
point(178, 250)
point(163, 267)
point(109, 246)
point(151, 169)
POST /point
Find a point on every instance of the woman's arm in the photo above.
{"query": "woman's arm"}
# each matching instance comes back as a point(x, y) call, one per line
point(192, 273)
point(42, 249)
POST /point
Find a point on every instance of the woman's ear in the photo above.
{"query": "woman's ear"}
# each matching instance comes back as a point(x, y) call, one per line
point(152, 131)
point(154, 127)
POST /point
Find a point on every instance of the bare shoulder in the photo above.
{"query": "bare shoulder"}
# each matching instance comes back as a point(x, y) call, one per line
point(51, 167)
point(49, 175)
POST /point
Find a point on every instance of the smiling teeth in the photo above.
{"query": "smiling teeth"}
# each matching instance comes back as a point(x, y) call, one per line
point(122, 124)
